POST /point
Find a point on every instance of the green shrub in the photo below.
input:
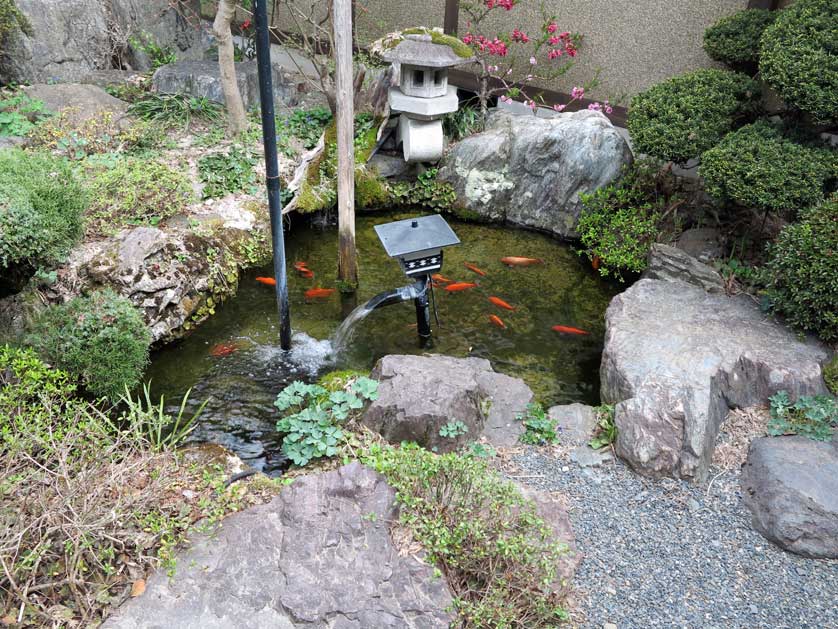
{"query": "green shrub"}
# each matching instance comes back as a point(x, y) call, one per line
point(11, 19)
point(41, 205)
point(539, 427)
point(500, 558)
point(830, 375)
point(620, 222)
point(224, 173)
point(757, 167)
point(19, 114)
point(734, 39)
point(135, 191)
point(799, 57)
point(803, 271)
point(812, 417)
point(684, 116)
point(101, 339)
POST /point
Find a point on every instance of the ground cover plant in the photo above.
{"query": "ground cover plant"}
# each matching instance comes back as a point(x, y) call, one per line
point(176, 109)
point(813, 417)
point(19, 114)
point(100, 339)
point(539, 427)
point(227, 172)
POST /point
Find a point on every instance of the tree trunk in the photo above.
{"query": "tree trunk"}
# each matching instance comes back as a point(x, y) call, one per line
point(236, 117)
point(347, 259)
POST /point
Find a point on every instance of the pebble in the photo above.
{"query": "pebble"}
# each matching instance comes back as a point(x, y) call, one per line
point(678, 557)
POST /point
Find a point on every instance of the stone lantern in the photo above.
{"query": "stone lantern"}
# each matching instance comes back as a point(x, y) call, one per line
point(423, 95)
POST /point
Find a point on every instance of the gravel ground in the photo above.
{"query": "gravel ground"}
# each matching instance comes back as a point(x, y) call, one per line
point(668, 554)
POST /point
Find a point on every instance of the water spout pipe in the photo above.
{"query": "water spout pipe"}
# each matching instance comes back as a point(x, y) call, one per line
point(418, 292)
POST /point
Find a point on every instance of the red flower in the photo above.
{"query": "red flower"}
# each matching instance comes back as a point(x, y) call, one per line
point(245, 25)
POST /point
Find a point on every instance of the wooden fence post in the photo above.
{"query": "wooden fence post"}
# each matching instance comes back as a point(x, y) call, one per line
point(452, 16)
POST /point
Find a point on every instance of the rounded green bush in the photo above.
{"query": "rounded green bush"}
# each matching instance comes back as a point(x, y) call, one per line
point(757, 167)
point(734, 39)
point(803, 271)
point(684, 116)
point(41, 205)
point(799, 57)
point(100, 339)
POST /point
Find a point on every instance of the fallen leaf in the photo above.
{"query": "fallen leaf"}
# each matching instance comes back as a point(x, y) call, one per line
point(8, 620)
point(138, 588)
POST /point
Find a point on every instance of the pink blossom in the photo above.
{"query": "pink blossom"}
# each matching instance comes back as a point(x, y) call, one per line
point(595, 107)
point(552, 27)
point(531, 104)
point(555, 53)
point(533, 61)
point(577, 92)
point(609, 109)
point(559, 107)
point(468, 38)
point(520, 36)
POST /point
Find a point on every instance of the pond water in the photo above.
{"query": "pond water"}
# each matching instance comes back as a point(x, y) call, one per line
point(242, 384)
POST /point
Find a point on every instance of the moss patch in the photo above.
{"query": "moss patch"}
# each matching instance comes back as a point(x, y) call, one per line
point(460, 48)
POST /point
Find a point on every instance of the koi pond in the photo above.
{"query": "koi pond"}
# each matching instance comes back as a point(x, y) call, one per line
point(234, 360)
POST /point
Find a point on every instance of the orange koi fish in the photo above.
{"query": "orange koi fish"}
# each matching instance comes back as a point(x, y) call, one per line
point(496, 320)
point(500, 303)
point(515, 261)
point(267, 281)
point(306, 273)
point(441, 278)
point(458, 286)
point(316, 293)
point(223, 349)
point(595, 262)
point(471, 267)
point(301, 266)
point(436, 284)
point(566, 329)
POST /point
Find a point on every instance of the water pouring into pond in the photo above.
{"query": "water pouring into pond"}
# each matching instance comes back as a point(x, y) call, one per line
point(243, 385)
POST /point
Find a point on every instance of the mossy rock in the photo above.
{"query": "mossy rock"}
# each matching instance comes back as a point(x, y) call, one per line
point(460, 48)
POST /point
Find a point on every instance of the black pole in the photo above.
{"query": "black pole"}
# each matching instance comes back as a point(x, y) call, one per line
point(423, 312)
point(266, 101)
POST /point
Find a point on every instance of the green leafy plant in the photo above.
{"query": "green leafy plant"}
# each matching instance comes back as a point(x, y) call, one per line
point(797, 57)
point(157, 54)
point(830, 375)
point(427, 192)
point(734, 39)
point(539, 427)
point(306, 125)
point(480, 450)
point(41, 205)
point(462, 123)
point(12, 19)
point(757, 167)
point(606, 430)
point(682, 117)
point(453, 429)
point(620, 222)
point(313, 429)
point(147, 419)
point(135, 192)
point(813, 417)
point(176, 109)
point(802, 272)
point(223, 173)
point(101, 339)
point(19, 114)
point(498, 556)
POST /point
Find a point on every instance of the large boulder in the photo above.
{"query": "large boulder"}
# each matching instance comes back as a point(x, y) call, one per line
point(78, 103)
point(202, 79)
point(674, 265)
point(677, 357)
point(419, 395)
point(790, 484)
point(531, 171)
point(320, 555)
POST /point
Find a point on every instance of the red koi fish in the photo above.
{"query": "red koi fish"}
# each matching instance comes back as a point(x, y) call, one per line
point(223, 349)
point(595, 262)
point(471, 267)
point(318, 293)
point(566, 329)
point(496, 320)
point(301, 266)
point(458, 286)
point(306, 273)
point(441, 278)
point(516, 261)
point(267, 281)
point(500, 303)
point(436, 284)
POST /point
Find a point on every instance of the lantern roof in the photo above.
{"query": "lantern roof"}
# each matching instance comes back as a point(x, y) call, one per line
point(422, 47)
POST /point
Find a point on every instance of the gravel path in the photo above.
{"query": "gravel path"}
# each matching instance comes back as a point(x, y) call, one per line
point(668, 554)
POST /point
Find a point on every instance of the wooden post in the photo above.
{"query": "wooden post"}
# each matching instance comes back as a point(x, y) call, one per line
point(452, 16)
point(347, 260)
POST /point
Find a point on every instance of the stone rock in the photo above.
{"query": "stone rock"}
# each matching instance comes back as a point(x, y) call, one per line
point(531, 171)
point(576, 422)
point(790, 484)
point(109, 78)
point(389, 166)
point(702, 243)
point(418, 395)
point(585, 456)
point(318, 556)
point(78, 102)
point(674, 265)
point(676, 358)
point(203, 79)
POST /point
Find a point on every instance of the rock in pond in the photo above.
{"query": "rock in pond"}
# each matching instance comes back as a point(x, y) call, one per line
point(676, 358)
point(790, 484)
point(418, 395)
point(531, 171)
point(318, 556)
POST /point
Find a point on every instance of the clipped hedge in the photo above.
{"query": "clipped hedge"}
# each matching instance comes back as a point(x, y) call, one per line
point(101, 339)
point(41, 205)
point(803, 271)
point(799, 57)
point(684, 116)
point(758, 167)
point(734, 39)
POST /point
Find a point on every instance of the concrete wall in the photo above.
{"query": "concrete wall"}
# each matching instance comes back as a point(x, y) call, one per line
point(635, 43)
